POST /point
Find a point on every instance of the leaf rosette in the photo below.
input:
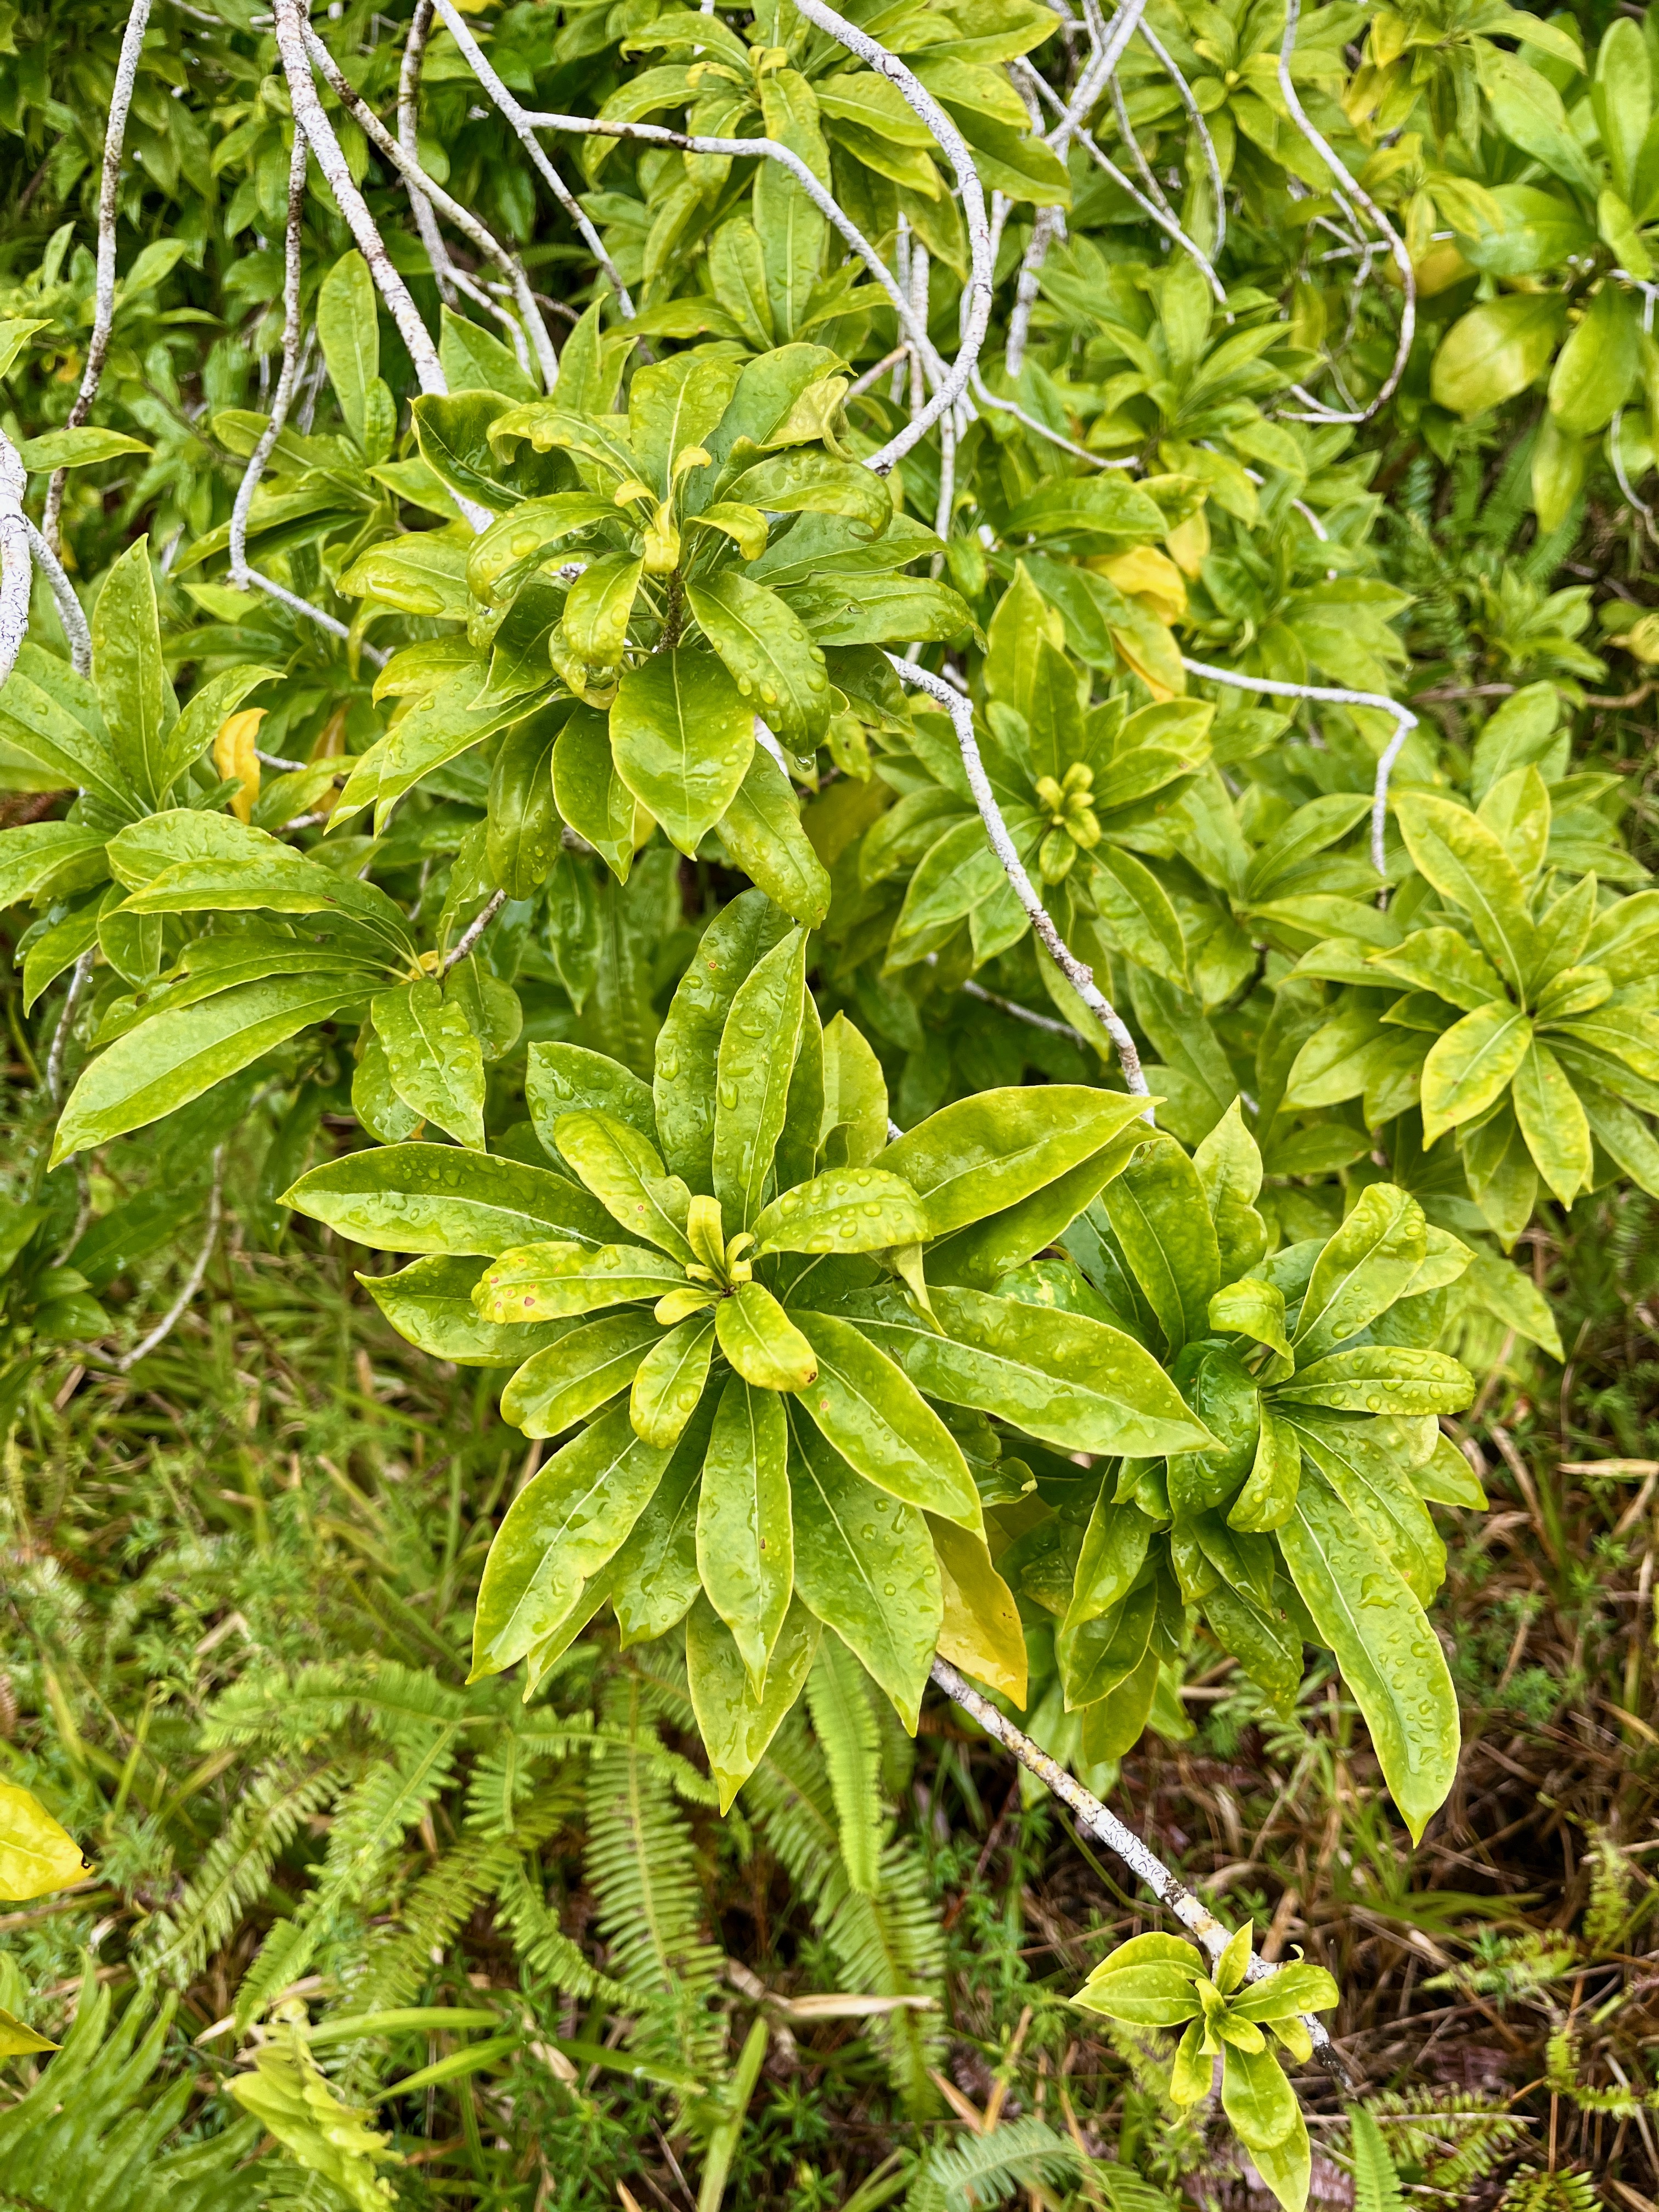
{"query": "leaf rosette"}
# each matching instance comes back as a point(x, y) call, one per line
point(716, 1294)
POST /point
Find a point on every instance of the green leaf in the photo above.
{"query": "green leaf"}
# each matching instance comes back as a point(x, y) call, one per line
point(1389, 1657)
point(568, 1079)
point(761, 830)
point(874, 610)
point(985, 1250)
point(70, 745)
point(757, 1059)
point(689, 1043)
point(175, 1056)
point(1528, 111)
point(761, 1341)
point(502, 557)
point(668, 1383)
point(349, 332)
point(745, 1547)
point(563, 1385)
point(625, 1173)
point(36, 1855)
point(809, 481)
point(1268, 1496)
point(771, 659)
point(1148, 1982)
point(1253, 1309)
point(1158, 1210)
point(864, 1565)
point(75, 448)
point(844, 1210)
point(1262, 2107)
point(985, 1153)
point(196, 727)
point(599, 607)
point(1441, 961)
point(590, 793)
point(429, 1303)
point(1495, 350)
point(1072, 1381)
point(1365, 1464)
point(653, 1578)
point(1228, 1164)
point(434, 1198)
point(880, 1423)
point(421, 573)
point(1596, 369)
point(681, 734)
point(1553, 1122)
point(435, 1062)
point(562, 1526)
point(1381, 1378)
point(1467, 865)
point(37, 854)
point(1137, 908)
point(524, 832)
point(17, 2041)
point(1471, 1064)
point(126, 662)
point(737, 1724)
point(473, 360)
point(553, 1280)
point(1109, 1565)
point(1362, 1269)
point(854, 1097)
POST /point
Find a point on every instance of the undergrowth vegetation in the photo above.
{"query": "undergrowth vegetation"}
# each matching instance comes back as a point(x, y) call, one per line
point(827, 842)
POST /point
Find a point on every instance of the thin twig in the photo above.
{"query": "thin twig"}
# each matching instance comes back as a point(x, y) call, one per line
point(475, 929)
point(80, 977)
point(193, 1281)
point(1146, 1867)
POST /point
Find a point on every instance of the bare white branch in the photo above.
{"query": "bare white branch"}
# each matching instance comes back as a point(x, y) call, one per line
point(422, 187)
point(1077, 974)
point(1331, 696)
point(524, 126)
point(115, 136)
point(1356, 191)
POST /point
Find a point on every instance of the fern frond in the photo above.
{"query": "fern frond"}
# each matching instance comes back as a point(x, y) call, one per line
point(236, 1867)
point(642, 1870)
point(981, 2169)
point(838, 1698)
point(92, 2134)
point(1531, 2191)
point(1375, 2183)
point(545, 1953)
point(1455, 2136)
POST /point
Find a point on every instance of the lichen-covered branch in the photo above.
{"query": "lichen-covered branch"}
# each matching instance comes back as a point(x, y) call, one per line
point(1144, 1864)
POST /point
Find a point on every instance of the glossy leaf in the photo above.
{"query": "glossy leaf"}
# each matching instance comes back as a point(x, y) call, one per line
point(745, 1544)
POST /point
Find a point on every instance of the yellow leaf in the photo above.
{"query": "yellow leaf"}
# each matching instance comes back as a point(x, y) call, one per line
point(1189, 542)
point(17, 2041)
point(1149, 575)
point(36, 1855)
point(234, 757)
point(982, 1630)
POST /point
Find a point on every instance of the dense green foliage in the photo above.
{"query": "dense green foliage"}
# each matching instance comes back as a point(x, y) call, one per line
point(628, 826)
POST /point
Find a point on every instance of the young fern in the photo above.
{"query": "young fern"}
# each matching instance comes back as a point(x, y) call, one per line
point(838, 1698)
